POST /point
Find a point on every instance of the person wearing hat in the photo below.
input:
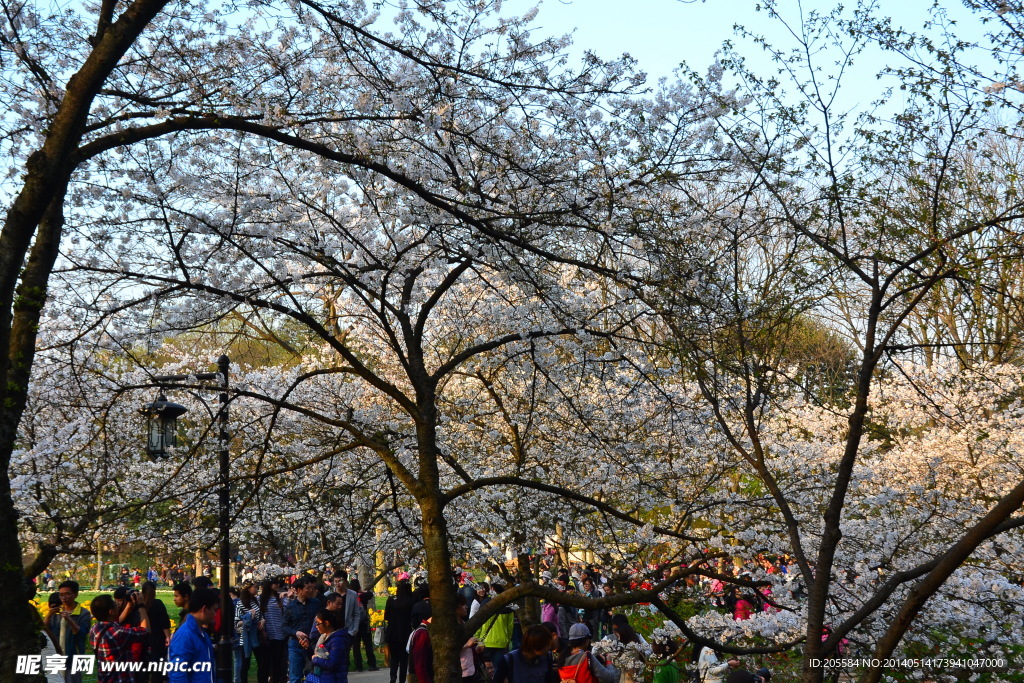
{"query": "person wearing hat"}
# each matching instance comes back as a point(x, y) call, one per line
point(580, 658)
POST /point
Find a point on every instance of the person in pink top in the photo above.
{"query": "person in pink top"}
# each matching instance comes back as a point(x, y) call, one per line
point(744, 608)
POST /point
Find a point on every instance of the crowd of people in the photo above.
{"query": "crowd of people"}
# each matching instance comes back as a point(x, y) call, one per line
point(129, 626)
point(315, 628)
point(130, 577)
point(581, 645)
point(278, 624)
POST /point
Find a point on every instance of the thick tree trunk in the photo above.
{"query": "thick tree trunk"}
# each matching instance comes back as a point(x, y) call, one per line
point(446, 636)
point(530, 612)
point(36, 214)
point(15, 638)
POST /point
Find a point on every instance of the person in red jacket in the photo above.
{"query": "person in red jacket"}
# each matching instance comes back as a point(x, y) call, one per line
point(421, 653)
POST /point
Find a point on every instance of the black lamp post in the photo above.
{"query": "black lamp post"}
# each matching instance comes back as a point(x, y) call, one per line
point(162, 428)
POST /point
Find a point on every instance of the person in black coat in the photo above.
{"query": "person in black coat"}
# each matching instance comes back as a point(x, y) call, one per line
point(363, 640)
point(398, 627)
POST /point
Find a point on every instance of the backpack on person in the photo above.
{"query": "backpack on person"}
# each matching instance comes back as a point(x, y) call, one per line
point(578, 673)
point(408, 644)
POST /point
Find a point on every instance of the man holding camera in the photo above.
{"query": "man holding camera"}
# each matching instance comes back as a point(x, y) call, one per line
point(128, 601)
point(113, 641)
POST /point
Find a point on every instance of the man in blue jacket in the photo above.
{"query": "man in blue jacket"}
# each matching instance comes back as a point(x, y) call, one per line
point(191, 651)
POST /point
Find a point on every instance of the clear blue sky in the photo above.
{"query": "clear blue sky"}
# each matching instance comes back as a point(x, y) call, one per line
point(662, 33)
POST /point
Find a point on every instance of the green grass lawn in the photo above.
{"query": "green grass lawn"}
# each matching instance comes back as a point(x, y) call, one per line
point(165, 596)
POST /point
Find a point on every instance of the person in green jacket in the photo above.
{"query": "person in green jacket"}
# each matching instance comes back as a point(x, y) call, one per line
point(665, 656)
point(496, 633)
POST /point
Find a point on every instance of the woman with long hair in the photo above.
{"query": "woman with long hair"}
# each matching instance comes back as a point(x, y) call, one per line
point(276, 658)
point(249, 623)
point(398, 620)
point(533, 660)
point(630, 656)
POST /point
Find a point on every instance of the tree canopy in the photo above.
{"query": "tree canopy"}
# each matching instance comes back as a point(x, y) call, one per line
point(491, 295)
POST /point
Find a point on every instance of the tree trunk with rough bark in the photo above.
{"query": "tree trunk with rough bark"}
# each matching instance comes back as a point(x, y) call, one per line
point(35, 221)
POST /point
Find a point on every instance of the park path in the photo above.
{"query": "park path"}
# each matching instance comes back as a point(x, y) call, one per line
point(381, 676)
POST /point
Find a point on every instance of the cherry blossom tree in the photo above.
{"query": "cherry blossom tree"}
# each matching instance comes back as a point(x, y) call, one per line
point(84, 82)
point(824, 219)
point(457, 151)
point(42, 134)
point(78, 474)
point(508, 281)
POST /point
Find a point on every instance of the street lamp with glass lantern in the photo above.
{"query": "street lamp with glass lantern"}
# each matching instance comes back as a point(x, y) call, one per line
point(161, 434)
point(162, 425)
